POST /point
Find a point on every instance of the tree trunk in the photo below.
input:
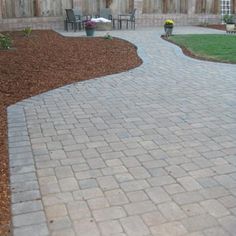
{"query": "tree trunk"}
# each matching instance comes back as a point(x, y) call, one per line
point(184, 6)
point(131, 5)
point(215, 8)
point(165, 6)
point(108, 3)
point(200, 6)
point(36, 8)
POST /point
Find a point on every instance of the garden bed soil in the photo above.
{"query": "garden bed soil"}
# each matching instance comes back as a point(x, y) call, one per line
point(45, 61)
point(217, 26)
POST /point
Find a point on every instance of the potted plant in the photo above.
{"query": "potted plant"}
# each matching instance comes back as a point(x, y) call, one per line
point(228, 19)
point(90, 27)
point(168, 27)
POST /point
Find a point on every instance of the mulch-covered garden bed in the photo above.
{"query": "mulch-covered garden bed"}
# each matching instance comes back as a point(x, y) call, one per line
point(45, 61)
point(216, 26)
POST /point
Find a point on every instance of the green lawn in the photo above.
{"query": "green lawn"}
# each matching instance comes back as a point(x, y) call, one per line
point(210, 46)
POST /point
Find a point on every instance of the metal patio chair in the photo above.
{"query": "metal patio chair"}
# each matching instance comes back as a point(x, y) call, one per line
point(71, 19)
point(128, 18)
point(79, 16)
point(106, 13)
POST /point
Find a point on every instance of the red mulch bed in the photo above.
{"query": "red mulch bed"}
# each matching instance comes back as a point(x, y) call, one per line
point(45, 61)
point(218, 27)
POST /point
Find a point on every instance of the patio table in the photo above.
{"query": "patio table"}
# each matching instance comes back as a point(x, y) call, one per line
point(123, 17)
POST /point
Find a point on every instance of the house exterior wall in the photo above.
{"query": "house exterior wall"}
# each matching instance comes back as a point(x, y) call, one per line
point(42, 14)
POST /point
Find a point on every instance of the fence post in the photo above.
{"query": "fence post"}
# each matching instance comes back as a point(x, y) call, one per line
point(0, 9)
point(191, 7)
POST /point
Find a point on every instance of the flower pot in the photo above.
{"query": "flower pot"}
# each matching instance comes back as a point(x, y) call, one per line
point(230, 27)
point(90, 31)
point(168, 29)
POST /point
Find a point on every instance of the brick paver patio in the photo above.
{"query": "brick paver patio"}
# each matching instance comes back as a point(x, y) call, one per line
point(151, 151)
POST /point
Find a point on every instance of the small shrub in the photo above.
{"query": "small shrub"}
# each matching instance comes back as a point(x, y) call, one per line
point(5, 42)
point(228, 19)
point(27, 31)
point(108, 36)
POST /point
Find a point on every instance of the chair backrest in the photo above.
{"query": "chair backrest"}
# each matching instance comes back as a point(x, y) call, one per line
point(132, 16)
point(106, 13)
point(77, 13)
point(70, 15)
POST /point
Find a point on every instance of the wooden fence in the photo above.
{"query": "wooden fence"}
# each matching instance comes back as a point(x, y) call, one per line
point(92, 7)
point(181, 6)
point(31, 8)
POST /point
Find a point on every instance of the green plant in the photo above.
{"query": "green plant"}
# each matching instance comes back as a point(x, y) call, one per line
point(27, 31)
point(108, 36)
point(228, 19)
point(209, 46)
point(5, 42)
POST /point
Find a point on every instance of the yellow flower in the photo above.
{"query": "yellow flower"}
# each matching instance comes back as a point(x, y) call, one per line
point(169, 22)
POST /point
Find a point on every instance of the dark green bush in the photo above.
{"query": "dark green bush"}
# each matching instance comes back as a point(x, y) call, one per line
point(228, 19)
point(5, 42)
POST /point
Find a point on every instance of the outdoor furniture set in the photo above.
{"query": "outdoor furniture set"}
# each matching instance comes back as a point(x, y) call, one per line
point(129, 19)
point(104, 21)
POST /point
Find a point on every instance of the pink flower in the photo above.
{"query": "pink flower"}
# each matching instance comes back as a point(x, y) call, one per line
point(90, 24)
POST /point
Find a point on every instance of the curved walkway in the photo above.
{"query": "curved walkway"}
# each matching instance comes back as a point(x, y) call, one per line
point(148, 152)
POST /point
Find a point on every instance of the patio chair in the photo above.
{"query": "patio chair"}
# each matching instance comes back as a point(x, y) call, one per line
point(71, 19)
point(106, 13)
point(128, 18)
point(78, 14)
